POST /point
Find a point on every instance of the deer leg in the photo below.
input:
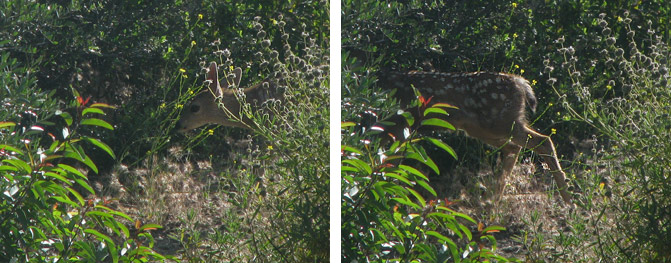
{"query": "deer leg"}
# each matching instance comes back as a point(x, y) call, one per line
point(509, 153)
point(543, 146)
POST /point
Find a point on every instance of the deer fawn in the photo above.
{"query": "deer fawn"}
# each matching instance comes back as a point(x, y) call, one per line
point(489, 107)
point(204, 108)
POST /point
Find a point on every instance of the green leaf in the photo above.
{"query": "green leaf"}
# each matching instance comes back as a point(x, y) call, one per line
point(77, 153)
point(399, 177)
point(66, 117)
point(58, 177)
point(97, 122)
point(6, 147)
point(100, 236)
point(466, 231)
point(409, 118)
point(419, 197)
point(426, 186)
point(345, 148)
point(100, 145)
point(440, 237)
point(86, 185)
point(20, 165)
point(435, 110)
point(406, 202)
point(92, 110)
point(414, 171)
point(426, 161)
point(72, 170)
point(6, 124)
point(346, 124)
point(438, 123)
point(361, 165)
point(64, 199)
point(443, 146)
point(79, 197)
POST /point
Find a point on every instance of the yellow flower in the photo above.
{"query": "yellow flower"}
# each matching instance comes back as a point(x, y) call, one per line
point(193, 42)
point(200, 16)
point(517, 66)
point(514, 5)
point(609, 87)
point(162, 105)
point(534, 82)
point(514, 35)
point(270, 147)
point(553, 131)
point(521, 71)
point(619, 19)
point(210, 131)
point(179, 106)
point(182, 70)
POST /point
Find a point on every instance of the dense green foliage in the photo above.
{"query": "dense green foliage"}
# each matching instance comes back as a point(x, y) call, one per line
point(601, 72)
point(384, 215)
point(48, 210)
point(263, 193)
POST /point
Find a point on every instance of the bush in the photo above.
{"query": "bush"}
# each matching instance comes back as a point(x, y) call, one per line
point(385, 215)
point(600, 71)
point(213, 189)
point(49, 211)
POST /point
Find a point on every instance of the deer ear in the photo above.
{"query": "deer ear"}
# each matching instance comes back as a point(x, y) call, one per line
point(213, 77)
point(238, 75)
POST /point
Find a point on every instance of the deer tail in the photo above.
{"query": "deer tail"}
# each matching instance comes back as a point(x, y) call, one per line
point(529, 95)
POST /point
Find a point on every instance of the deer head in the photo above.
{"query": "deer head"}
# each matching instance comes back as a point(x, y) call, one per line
point(204, 108)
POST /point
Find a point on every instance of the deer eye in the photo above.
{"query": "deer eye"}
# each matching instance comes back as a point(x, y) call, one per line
point(194, 108)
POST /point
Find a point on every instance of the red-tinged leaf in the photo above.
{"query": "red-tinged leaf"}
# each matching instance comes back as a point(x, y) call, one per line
point(493, 229)
point(444, 105)
point(102, 105)
point(426, 103)
point(149, 227)
point(86, 101)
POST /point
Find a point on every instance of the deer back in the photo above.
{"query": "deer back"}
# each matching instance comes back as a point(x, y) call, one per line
point(487, 104)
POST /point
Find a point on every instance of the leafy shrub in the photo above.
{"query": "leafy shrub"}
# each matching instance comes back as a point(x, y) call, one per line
point(282, 171)
point(144, 57)
point(624, 97)
point(385, 216)
point(48, 210)
point(600, 71)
